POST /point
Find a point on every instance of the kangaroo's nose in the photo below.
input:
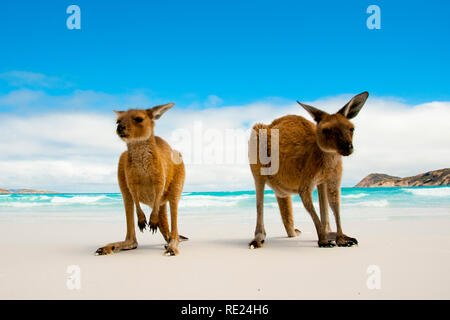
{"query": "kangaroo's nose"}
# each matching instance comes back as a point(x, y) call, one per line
point(350, 146)
point(120, 128)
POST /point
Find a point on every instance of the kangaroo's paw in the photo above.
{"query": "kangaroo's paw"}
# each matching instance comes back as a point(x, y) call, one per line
point(153, 227)
point(182, 238)
point(109, 249)
point(142, 224)
point(294, 233)
point(345, 241)
point(255, 243)
point(258, 241)
point(116, 246)
point(171, 250)
point(153, 222)
point(326, 244)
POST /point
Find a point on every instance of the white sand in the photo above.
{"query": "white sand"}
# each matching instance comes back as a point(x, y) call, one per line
point(413, 256)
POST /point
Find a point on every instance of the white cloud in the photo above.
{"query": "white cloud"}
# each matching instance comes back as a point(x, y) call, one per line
point(28, 100)
point(213, 101)
point(78, 151)
point(32, 79)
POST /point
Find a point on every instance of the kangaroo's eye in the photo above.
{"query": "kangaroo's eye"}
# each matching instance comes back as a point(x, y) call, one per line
point(138, 119)
point(326, 131)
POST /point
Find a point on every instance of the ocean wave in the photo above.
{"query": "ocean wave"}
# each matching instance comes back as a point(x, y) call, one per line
point(114, 198)
point(23, 204)
point(205, 200)
point(295, 204)
point(218, 198)
point(354, 196)
point(77, 199)
point(198, 203)
point(430, 192)
point(370, 203)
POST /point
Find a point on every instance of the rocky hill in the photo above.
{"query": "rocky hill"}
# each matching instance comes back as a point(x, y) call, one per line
point(428, 179)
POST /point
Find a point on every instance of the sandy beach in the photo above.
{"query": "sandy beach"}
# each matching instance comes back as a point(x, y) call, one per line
point(413, 256)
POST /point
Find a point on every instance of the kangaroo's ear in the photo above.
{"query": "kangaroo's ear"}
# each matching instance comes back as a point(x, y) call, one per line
point(314, 112)
point(156, 112)
point(352, 108)
point(118, 113)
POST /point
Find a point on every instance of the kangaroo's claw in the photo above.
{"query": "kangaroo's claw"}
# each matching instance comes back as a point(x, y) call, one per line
point(153, 228)
point(326, 244)
point(142, 225)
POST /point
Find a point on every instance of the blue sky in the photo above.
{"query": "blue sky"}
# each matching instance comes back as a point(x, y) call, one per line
point(226, 64)
point(240, 51)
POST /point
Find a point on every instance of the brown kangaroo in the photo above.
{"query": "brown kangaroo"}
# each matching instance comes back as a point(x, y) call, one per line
point(149, 172)
point(309, 155)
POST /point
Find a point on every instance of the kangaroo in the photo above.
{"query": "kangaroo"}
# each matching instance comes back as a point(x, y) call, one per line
point(149, 172)
point(310, 155)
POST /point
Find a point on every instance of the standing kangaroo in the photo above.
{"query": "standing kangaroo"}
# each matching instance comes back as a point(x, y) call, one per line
point(310, 155)
point(149, 172)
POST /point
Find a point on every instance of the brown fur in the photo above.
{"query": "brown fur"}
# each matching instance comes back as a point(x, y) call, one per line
point(150, 172)
point(309, 156)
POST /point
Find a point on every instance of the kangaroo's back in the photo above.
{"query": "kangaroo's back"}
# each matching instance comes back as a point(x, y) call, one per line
point(296, 141)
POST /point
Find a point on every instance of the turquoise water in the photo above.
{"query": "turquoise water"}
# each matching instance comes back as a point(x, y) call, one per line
point(239, 206)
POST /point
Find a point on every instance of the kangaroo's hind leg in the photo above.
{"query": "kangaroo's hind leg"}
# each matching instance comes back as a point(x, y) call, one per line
point(174, 240)
point(285, 205)
point(260, 232)
point(163, 222)
point(306, 196)
point(164, 226)
point(130, 238)
point(324, 217)
point(334, 194)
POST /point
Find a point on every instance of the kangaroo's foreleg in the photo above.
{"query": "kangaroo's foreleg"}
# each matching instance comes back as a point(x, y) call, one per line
point(285, 205)
point(260, 232)
point(306, 196)
point(130, 238)
point(324, 217)
point(334, 194)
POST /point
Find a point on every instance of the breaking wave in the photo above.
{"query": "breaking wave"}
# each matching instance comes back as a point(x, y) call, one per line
point(198, 201)
point(370, 203)
point(430, 192)
point(354, 196)
point(78, 199)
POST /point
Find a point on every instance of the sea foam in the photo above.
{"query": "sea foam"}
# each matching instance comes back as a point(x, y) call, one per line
point(370, 203)
point(354, 196)
point(430, 192)
point(77, 199)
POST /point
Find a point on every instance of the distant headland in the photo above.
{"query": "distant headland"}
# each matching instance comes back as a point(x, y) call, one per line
point(428, 179)
point(25, 191)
